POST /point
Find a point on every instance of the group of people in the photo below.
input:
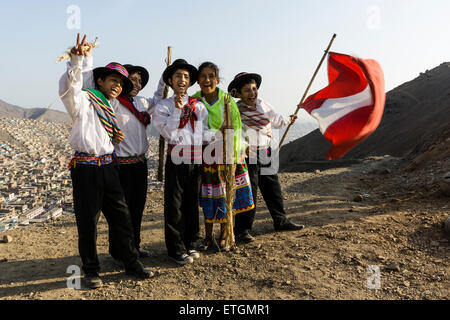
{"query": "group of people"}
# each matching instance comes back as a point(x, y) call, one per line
point(109, 168)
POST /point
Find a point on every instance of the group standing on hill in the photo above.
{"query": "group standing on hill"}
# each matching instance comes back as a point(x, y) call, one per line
point(109, 168)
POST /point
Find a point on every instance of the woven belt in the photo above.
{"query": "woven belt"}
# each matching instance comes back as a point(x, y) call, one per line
point(87, 159)
point(131, 160)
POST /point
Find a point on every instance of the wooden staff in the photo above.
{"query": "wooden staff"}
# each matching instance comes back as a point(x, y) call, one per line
point(307, 89)
point(162, 142)
point(229, 168)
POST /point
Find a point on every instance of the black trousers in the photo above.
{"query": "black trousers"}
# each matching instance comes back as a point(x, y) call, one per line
point(97, 189)
point(181, 207)
point(133, 178)
point(272, 195)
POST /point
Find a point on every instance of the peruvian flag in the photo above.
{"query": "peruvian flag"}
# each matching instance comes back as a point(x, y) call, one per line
point(350, 108)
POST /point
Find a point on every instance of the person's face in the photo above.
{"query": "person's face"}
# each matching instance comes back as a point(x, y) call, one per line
point(208, 81)
point(180, 81)
point(137, 84)
point(112, 86)
point(249, 94)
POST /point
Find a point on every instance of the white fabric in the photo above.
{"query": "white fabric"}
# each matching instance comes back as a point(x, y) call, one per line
point(88, 134)
point(135, 140)
point(260, 137)
point(166, 119)
point(334, 109)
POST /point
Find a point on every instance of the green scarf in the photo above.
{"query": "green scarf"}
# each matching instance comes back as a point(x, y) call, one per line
point(215, 119)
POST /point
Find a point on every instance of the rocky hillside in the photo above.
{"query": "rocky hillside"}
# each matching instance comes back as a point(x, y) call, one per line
point(11, 111)
point(416, 114)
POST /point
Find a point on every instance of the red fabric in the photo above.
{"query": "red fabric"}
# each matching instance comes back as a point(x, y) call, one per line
point(349, 76)
point(188, 114)
point(142, 116)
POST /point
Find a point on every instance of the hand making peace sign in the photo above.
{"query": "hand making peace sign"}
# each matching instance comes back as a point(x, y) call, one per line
point(83, 48)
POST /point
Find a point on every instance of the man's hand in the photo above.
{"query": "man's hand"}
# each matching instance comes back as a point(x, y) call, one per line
point(83, 48)
point(179, 101)
point(118, 137)
point(293, 118)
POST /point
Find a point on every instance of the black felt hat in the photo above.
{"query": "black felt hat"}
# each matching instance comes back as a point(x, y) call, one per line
point(180, 64)
point(117, 68)
point(141, 70)
point(241, 79)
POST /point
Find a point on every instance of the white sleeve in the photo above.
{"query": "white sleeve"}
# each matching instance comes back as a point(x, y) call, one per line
point(277, 120)
point(70, 86)
point(166, 122)
point(88, 74)
point(157, 96)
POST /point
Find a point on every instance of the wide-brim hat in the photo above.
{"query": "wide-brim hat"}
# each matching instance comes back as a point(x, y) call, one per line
point(141, 70)
point(117, 68)
point(180, 64)
point(241, 79)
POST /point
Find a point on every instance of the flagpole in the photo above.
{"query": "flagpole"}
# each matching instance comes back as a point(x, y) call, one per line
point(307, 89)
point(162, 142)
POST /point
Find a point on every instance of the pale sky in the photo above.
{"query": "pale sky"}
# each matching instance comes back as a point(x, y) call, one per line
point(281, 40)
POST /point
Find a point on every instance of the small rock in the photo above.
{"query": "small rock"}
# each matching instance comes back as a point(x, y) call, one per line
point(7, 239)
point(392, 267)
point(445, 184)
point(434, 243)
point(317, 171)
point(447, 225)
point(358, 198)
point(406, 283)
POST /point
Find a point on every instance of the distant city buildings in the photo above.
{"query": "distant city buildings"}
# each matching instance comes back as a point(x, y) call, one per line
point(35, 183)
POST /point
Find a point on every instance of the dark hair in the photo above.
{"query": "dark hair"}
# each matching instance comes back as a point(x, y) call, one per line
point(211, 65)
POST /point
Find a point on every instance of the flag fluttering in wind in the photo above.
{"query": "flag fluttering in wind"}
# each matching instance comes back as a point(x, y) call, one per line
point(350, 108)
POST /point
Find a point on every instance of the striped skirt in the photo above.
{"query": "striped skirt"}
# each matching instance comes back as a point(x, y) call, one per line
point(213, 195)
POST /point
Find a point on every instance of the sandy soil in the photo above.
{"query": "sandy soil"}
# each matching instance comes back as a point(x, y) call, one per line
point(396, 232)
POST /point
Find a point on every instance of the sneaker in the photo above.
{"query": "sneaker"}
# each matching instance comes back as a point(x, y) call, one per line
point(182, 259)
point(204, 245)
point(244, 237)
point(143, 253)
point(193, 254)
point(288, 226)
point(138, 270)
point(92, 280)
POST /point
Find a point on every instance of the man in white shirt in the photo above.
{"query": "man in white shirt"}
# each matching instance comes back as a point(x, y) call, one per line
point(96, 185)
point(258, 118)
point(181, 120)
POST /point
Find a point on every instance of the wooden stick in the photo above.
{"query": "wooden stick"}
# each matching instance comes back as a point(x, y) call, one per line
point(307, 89)
point(162, 142)
point(230, 167)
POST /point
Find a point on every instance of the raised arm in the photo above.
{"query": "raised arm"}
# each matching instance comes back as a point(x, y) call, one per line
point(71, 82)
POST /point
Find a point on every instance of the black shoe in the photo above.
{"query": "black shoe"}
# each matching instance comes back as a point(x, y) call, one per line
point(244, 237)
point(92, 280)
point(143, 253)
point(137, 269)
point(289, 226)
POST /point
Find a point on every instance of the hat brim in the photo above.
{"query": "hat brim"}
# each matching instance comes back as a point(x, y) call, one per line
point(239, 82)
point(104, 72)
point(141, 70)
point(170, 70)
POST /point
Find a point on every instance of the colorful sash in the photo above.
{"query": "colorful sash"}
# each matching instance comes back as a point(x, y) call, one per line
point(188, 114)
point(104, 112)
point(142, 116)
point(254, 119)
point(87, 159)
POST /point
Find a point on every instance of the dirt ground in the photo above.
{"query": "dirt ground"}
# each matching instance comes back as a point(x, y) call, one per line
point(395, 234)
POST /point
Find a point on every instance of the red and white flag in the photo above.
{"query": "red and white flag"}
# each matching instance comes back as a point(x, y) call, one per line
point(350, 108)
